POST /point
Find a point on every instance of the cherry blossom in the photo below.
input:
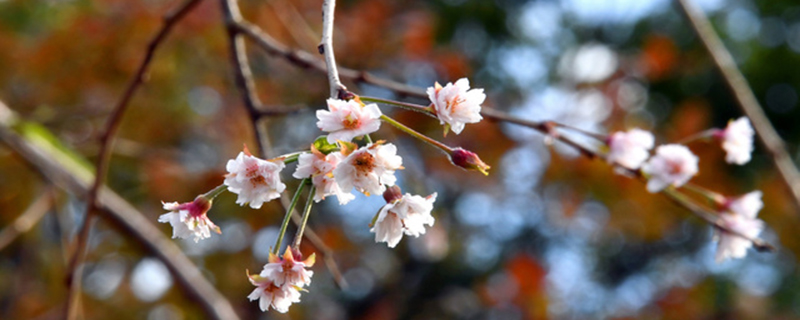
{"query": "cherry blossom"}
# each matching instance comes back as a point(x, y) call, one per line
point(737, 140)
point(407, 215)
point(288, 271)
point(269, 295)
point(369, 168)
point(345, 120)
point(672, 164)
point(279, 284)
point(319, 167)
point(630, 149)
point(189, 219)
point(456, 104)
point(255, 180)
point(740, 216)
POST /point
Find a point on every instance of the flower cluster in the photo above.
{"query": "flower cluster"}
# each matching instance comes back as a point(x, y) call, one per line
point(673, 165)
point(343, 160)
point(347, 159)
point(280, 283)
point(739, 214)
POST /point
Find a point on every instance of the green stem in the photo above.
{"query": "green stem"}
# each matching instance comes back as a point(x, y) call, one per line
point(289, 157)
point(368, 138)
point(697, 136)
point(288, 215)
point(424, 138)
point(215, 192)
point(404, 105)
point(306, 212)
point(708, 194)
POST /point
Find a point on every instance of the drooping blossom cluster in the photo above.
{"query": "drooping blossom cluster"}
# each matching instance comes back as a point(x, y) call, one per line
point(337, 163)
point(739, 214)
point(347, 158)
point(280, 282)
point(673, 165)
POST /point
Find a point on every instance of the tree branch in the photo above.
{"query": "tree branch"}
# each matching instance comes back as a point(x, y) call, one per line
point(326, 48)
point(744, 95)
point(74, 278)
point(304, 59)
point(53, 167)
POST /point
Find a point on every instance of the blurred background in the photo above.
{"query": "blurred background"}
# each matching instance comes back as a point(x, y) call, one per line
point(548, 234)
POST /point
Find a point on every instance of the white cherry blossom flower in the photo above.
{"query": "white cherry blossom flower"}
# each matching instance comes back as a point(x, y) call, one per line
point(672, 164)
point(189, 219)
point(319, 168)
point(369, 169)
point(737, 141)
point(279, 284)
point(288, 271)
point(747, 205)
point(407, 215)
point(255, 180)
point(456, 105)
point(740, 216)
point(630, 149)
point(345, 120)
point(269, 295)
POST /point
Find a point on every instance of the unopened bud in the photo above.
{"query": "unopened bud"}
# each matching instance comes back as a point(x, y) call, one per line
point(392, 194)
point(468, 160)
point(346, 95)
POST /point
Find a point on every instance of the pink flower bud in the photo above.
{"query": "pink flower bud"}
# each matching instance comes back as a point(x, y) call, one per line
point(468, 160)
point(392, 194)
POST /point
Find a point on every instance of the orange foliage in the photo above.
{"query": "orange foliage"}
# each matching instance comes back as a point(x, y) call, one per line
point(659, 57)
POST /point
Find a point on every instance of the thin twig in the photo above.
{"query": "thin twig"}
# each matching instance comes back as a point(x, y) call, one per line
point(53, 167)
point(304, 59)
point(744, 95)
point(106, 144)
point(237, 26)
point(27, 219)
point(326, 48)
point(242, 73)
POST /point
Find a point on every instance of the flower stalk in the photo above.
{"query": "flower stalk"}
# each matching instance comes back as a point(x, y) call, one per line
point(214, 192)
point(288, 215)
point(404, 105)
point(298, 238)
point(411, 132)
